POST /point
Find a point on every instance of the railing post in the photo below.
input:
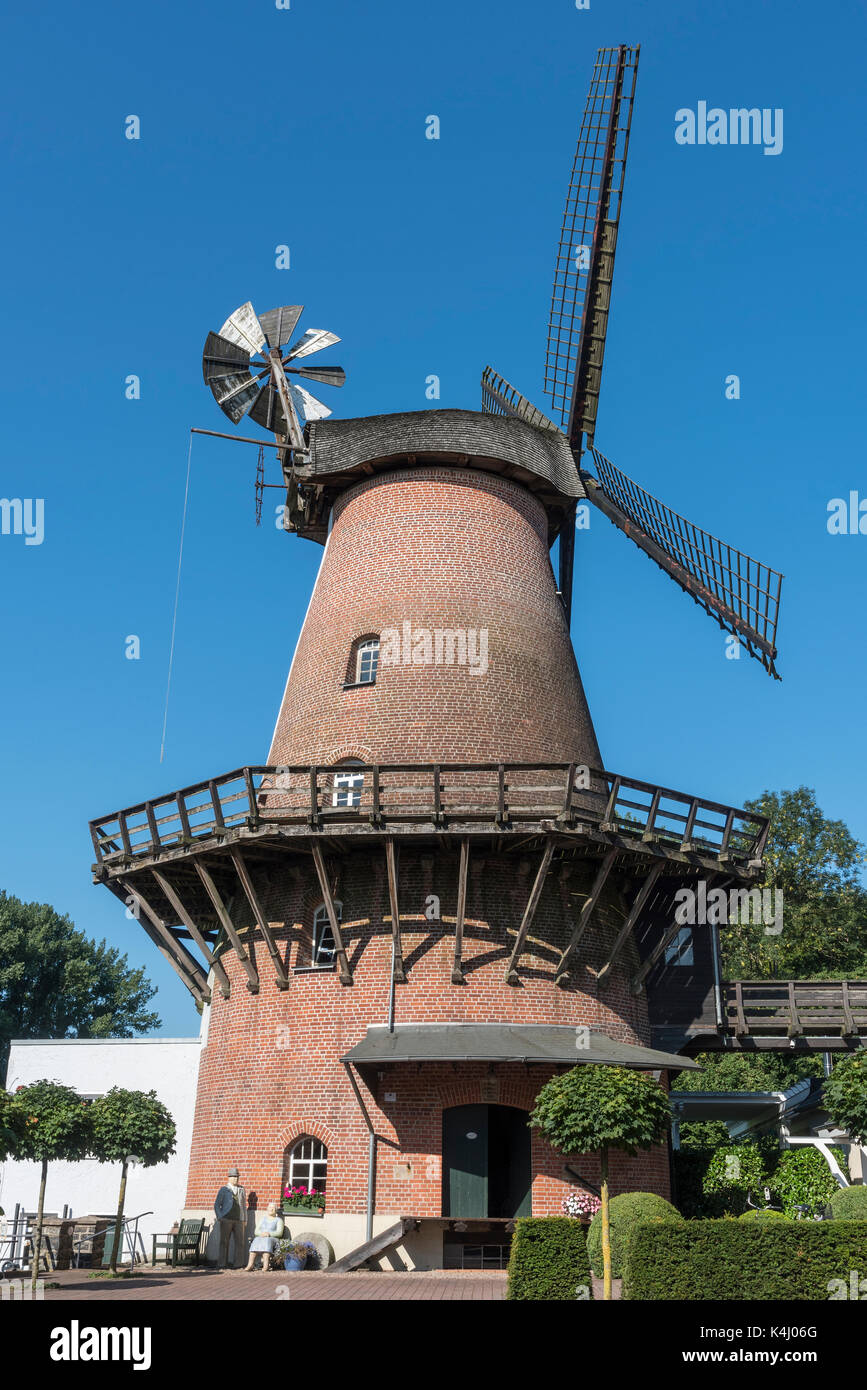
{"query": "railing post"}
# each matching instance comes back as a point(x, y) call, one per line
point(252, 808)
point(740, 1020)
point(649, 831)
point(313, 814)
point(219, 823)
point(185, 820)
point(566, 813)
point(124, 833)
point(610, 821)
point(438, 795)
point(156, 842)
point(686, 842)
point(376, 813)
point(794, 1020)
point(501, 794)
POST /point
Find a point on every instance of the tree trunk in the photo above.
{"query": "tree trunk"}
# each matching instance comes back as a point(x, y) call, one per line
point(118, 1225)
point(36, 1254)
point(606, 1230)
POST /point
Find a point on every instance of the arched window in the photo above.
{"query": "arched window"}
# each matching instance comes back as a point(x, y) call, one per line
point(324, 945)
point(307, 1164)
point(363, 662)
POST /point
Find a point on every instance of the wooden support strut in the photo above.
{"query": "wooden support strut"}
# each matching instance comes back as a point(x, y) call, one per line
point(228, 927)
point(511, 976)
point(634, 913)
point(179, 958)
point(562, 976)
point(343, 967)
point(457, 972)
point(183, 915)
point(253, 899)
point(391, 864)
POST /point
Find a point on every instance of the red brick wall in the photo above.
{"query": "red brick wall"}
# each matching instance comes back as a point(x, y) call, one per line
point(271, 1069)
point(440, 548)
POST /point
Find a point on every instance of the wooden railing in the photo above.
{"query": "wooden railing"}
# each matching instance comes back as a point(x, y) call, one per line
point(792, 1008)
point(498, 794)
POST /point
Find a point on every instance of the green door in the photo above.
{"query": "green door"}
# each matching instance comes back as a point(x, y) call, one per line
point(486, 1161)
point(465, 1161)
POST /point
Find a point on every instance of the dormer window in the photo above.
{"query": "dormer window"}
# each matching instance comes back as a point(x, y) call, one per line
point(364, 662)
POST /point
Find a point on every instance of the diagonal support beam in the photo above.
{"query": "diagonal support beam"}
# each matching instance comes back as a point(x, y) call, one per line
point(562, 976)
point(253, 899)
point(529, 913)
point(457, 971)
point(175, 952)
point(634, 913)
point(183, 916)
point(391, 864)
point(228, 927)
point(343, 967)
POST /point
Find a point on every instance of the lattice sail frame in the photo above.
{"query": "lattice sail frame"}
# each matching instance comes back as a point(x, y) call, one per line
point(740, 592)
point(581, 296)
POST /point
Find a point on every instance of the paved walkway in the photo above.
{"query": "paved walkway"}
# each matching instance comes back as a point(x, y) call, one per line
point(208, 1285)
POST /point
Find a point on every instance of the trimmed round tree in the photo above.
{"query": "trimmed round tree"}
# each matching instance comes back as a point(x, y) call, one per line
point(592, 1109)
point(49, 1122)
point(845, 1095)
point(130, 1127)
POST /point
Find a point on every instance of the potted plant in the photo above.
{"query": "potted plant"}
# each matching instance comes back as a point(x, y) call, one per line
point(295, 1253)
point(581, 1205)
point(299, 1198)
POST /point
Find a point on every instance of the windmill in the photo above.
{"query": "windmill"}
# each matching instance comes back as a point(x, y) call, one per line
point(740, 592)
point(248, 366)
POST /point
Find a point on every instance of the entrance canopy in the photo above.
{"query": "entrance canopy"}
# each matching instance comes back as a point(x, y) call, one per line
point(505, 1042)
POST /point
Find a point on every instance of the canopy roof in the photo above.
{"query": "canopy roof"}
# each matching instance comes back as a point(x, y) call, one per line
point(505, 1042)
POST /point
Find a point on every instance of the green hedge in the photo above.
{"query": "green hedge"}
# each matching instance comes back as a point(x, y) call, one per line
point(737, 1260)
point(548, 1259)
point(849, 1204)
point(763, 1214)
point(625, 1212)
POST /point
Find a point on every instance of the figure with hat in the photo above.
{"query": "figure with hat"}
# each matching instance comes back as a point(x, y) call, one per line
point(230, 1207)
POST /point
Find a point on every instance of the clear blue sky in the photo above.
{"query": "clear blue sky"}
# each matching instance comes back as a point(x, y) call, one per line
point(306, 127)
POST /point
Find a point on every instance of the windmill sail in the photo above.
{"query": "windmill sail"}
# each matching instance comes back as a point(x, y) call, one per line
point(584, 267)
point(740, 592)
point(499, 398)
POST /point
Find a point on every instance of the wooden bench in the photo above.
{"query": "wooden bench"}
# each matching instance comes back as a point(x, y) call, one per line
point(182, 1246)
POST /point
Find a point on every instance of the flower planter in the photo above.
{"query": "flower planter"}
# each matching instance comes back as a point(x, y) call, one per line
point(290, 1263)
point(315, 1213)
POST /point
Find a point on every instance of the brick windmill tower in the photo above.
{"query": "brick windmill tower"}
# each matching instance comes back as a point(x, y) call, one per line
point(433, 896)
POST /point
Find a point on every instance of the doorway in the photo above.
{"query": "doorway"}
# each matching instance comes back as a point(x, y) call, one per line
point(486, 1162)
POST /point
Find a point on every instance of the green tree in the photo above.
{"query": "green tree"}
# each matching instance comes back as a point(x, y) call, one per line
point(592, 1109)
point(49, 1123)
point(845, 1096)
point(817, 863)
point(55, 982)
point(125, 1126)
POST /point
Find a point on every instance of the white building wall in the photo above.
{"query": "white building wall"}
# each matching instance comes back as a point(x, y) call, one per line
point(91, 1066)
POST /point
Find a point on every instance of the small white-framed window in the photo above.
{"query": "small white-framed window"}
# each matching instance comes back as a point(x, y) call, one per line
point(348, 783)
point(324, 945)
point(679, 950)
point(307, 1164)
point(366, 662)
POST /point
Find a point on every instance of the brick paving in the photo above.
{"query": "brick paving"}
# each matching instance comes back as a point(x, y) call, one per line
point(207, 1285)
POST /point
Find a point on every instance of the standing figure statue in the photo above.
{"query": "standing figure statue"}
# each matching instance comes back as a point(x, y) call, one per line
point(269, 1229)
point(230, 1208)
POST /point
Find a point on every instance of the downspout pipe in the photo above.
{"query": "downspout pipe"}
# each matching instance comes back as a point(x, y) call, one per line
point(371, 1151)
